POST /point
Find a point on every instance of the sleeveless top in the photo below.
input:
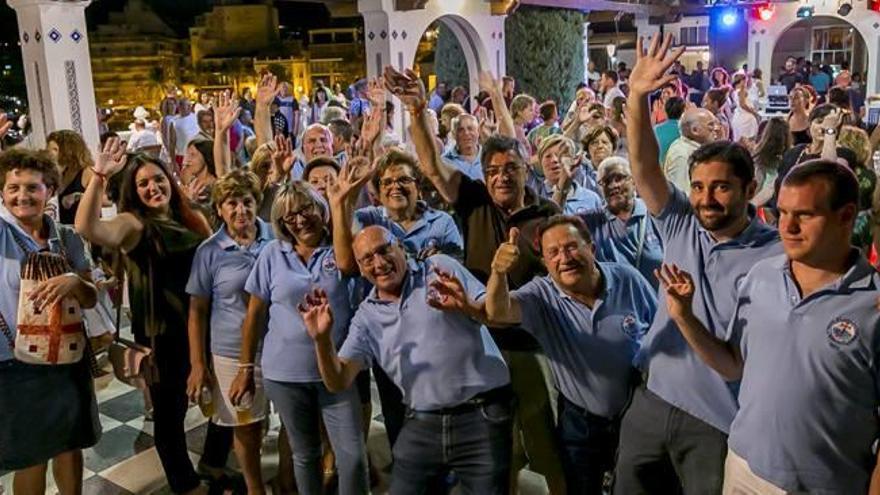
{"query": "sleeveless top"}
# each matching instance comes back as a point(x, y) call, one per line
point(67, 216)
point(158, 270)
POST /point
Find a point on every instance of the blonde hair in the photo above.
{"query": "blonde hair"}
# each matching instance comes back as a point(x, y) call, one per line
point(520, 102)
point(238, 183)
point(555, 140)
point(857, 140)
point(291, 196)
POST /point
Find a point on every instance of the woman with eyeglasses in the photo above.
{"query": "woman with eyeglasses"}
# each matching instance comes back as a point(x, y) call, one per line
point(303, 257)
point(422, 230)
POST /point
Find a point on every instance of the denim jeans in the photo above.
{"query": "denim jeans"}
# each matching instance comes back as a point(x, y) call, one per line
point(474, 442)
point(300, 405)
point(589, 444)
point(665, 450)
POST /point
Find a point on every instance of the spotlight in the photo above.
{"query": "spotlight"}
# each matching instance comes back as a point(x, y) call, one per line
point(805, 12)
point(728, 18)
point(844, 9)
point(766, 11)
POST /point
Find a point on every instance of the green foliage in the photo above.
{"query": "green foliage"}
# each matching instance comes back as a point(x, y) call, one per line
point(449, 62)
point(545, 52)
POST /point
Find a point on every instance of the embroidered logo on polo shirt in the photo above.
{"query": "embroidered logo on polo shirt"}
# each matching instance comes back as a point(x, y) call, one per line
point(630, 326)
point(842, 331)
point(329, 264)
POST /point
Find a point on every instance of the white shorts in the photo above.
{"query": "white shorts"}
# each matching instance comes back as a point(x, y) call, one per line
point(225, 413)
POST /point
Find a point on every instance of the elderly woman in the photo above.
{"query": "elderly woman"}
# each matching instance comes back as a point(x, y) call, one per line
point(598, 144)
point(158, 232)
point(556, 156)
point(74, 162)
point(217, 301)
point(300, 259)
point(49, 412)
point(623, 231)
point(421, 229)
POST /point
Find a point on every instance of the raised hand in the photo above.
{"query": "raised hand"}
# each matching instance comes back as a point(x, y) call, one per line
point(351, 178)
point(376, 92)
point(196, 190)
point(679, 287)
point(316, 314)
point(488, 123)
point(446, 292)
point(406, 86)
point(488, 83)
point(372, 125)
point(267, 90)
point(507, 253)
point(832, 120)
point(111, 159)
point(5, 124)
point(282, 155)
point(650, 72)
point(226, 111)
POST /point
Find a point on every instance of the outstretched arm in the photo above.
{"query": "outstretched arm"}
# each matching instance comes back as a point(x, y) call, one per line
point(493, 86)
point(648, 75)
point(343, 196)
point(338, 374)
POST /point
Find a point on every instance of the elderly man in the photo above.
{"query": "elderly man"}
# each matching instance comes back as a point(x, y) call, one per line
point(623, 231)
point(317, 141)
point(698, 126)
point(487, 211)
point(804, 342)
point(465, 155)
point(454, 381)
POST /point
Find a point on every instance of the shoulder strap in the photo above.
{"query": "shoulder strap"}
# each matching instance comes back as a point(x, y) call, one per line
point(7, 332)
point(643, 228)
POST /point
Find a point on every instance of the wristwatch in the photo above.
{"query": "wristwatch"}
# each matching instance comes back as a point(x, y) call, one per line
point(830, 131)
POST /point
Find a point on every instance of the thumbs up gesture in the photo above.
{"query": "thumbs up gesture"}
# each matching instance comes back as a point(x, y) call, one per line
point(507, 253)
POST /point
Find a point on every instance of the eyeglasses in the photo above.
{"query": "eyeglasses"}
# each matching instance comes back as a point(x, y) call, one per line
point(383, 251)
point(402, 181)
point(571, 249)
point(613, 179)
point(506, 170)
point(305, 212)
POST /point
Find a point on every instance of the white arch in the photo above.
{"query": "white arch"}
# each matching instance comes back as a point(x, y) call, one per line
point(763, 35)
point(392, 36)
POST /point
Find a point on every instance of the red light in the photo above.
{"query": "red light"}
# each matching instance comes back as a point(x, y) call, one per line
point(765, 12)
point(874, 5)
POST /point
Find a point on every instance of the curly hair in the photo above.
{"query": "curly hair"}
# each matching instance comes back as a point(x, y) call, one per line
point(73, 153)
point(22, 159)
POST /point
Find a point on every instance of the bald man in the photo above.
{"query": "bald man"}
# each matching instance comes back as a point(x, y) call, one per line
point(698, 126)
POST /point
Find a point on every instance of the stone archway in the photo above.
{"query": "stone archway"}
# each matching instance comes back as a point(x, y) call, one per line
point(392, 36)
point(764, 35)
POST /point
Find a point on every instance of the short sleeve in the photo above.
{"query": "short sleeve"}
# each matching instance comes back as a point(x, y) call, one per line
point(531, 306)
point(676, 215)
point(451, 234)
point(736, 326)
point(201, 277)
point(358, 346)
point(360, 219)
point(258, 282)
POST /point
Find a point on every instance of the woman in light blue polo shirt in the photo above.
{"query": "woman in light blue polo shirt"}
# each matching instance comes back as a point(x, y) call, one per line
point(216, 287)
point(301, 259)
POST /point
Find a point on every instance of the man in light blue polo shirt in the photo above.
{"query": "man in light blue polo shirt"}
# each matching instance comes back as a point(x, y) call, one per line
point(465, 155)
point(623, 231)
point(804, 342)
point(589, 318)
point(683, 415)
point(453, 378)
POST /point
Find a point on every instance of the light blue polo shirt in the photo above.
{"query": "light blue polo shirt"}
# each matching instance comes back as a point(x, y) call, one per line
point(471, 168)
point(282, 280)
point(591, 352)
point(585, 176)
point(220, 269)
point(437, 358)
point(297, 169)
point(11, 257)
point(618, 241)
point(580, 200)
point(435, 228)
point(811, 383)
point(676, 373)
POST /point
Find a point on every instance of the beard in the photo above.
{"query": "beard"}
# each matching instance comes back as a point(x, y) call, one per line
point(721, 220)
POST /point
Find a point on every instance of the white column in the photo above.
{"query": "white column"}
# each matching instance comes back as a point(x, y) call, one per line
point(57, 67)
point(586, 37)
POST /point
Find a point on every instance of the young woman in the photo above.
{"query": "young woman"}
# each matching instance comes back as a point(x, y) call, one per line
point(48, 412)
point(158, 232)
point(799, 116)
point(74, 163)
point(775, 140)
point(744, 124)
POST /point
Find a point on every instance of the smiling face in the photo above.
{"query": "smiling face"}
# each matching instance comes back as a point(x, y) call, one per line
point(567, 255)
point(303, 219)
point(467, 133)
point(239, 213)
point(194, 165)
point(381, 259)
point(811, 231)
point(506, 179)
point(25, 194)
point(618, 188)
point(317, 141)
point(153, 187)
point(718, 196)
point(398, 189)
point(552, 162)
point(321, 178)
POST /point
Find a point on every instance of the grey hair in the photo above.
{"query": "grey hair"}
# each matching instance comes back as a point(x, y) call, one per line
point(610, 162)
point(456, 121)
point(329, 114)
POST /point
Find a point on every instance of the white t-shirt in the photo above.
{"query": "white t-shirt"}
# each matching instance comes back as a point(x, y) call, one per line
point(610, 95)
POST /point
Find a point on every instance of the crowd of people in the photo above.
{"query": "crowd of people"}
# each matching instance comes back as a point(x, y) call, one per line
point(653, 290)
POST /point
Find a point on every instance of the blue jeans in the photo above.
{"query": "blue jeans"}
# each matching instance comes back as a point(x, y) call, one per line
point(589, 444)
point(472, 440)
point(299, 405)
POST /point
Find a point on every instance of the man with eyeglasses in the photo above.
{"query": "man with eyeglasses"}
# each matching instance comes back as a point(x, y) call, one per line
point(454, 381)
point(623, 231)
point(487, 211)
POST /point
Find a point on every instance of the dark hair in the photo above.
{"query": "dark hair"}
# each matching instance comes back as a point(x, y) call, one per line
point(203, 113)
point(674, 107)
point(819, 112)
point(557, 220)
point(205, 147)
point(718, 70)
point(597, 131)
point(23, 159)
point(500, 144)
point(547, 110)
point(319, 161)
point(618, 105)
point(717, 96)
point(610, 74)
point(839, 96)
point(341, 127)
point(843, 182)
point(396, 157)
point(774, 141)
point(106, 137)
point(733, 154)
point(179, 207)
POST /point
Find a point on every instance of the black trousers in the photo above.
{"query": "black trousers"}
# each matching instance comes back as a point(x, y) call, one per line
point(664, 450)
